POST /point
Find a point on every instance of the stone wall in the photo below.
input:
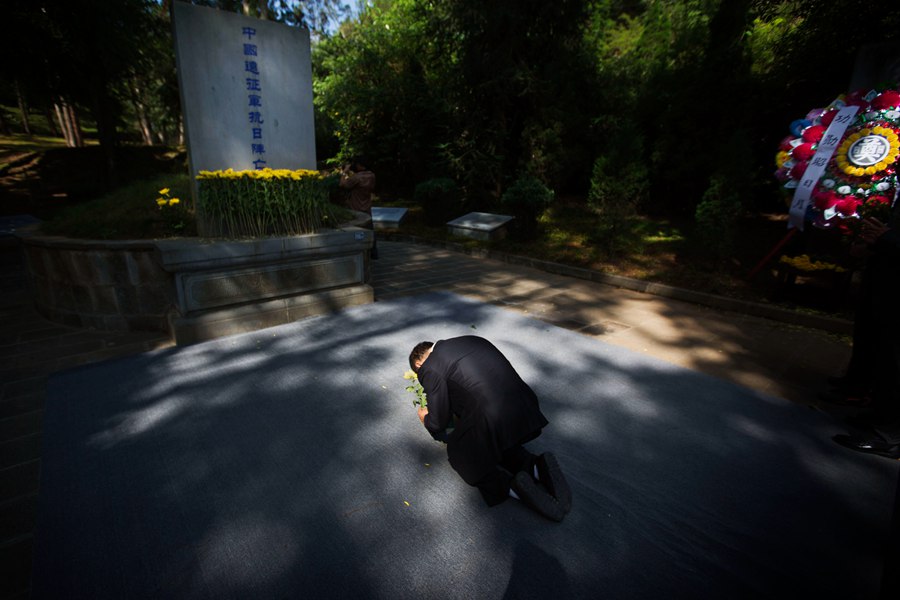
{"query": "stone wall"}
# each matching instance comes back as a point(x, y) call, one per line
point(196, 290)
point(117, 286)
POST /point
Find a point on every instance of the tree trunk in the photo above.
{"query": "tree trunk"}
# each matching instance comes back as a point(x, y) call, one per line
point(23, 108)
point(77, 134)
point(141, 110)
point(63, 119)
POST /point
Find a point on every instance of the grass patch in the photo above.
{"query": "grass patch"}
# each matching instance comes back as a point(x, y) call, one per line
point(18, 144)
point(31, 143)
point(130, 212)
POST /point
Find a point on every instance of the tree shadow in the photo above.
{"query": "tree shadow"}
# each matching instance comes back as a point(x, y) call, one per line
point(290, 460)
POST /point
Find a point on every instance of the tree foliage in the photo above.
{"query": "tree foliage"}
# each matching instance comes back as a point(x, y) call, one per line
point(665, 94)
point(315, 15)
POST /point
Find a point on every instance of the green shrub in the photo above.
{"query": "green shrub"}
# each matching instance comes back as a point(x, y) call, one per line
point(440, 199)
point(526, 199)
point(716, 220)
point(615, 195)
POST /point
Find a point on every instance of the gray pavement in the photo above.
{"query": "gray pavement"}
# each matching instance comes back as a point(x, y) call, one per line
point(771, 354)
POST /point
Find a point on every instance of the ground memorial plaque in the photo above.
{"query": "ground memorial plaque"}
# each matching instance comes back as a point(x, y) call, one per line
point(480, 226)
point(387, 217)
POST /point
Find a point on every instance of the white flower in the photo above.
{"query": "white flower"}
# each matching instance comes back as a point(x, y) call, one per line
point(882, 186)
point(892, 114)
point(843, 190)
point(828, 183)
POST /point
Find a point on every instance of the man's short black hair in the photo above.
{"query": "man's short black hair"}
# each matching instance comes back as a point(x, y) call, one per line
point(418, 352)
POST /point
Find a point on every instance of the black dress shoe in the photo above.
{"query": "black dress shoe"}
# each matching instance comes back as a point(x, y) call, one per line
point(551, 475)
point(879, 447)
point(535, 497)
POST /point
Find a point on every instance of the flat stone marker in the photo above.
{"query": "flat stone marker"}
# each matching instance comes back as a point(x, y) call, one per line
point(480, 226)
point(9, 225)
point(387, 217)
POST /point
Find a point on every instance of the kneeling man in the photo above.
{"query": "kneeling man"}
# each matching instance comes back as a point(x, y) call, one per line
point(473, 389)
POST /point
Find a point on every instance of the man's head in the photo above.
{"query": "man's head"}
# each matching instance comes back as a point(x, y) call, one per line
point(418, 355)
point(358, 164)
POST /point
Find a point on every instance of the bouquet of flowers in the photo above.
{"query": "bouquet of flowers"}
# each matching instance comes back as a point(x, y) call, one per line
point(420, 400)
point(859, 179)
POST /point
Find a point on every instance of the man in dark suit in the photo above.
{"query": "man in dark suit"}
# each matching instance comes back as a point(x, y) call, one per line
point(875, 361)
point(473, 389)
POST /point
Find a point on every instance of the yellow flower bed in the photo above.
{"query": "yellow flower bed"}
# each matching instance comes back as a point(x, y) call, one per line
point(261, 174)
point(804, 263)
point(257, 203)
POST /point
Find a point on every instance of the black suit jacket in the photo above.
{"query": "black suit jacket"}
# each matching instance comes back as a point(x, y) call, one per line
point(472, 386)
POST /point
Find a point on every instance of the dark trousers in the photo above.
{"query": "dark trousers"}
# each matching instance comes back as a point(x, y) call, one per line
point(495, 486)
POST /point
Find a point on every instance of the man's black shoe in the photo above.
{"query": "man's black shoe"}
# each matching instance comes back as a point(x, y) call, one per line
point(536, 498)
point(879, 447)
point(551, 475)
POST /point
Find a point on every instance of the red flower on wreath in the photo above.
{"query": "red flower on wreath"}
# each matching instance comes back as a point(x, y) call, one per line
point(804, 152)
point(824, 199)
point(827, 117)
point(813, 134)
point(886, 100)
point(847, 206)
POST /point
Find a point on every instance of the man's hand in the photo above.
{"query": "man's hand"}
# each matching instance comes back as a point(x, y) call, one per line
point(422, 412)
point(872, 229)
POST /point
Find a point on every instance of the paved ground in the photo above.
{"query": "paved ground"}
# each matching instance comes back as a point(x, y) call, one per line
point(779, 358)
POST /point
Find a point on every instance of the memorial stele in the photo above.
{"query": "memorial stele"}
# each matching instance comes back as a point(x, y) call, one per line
point(246, 91)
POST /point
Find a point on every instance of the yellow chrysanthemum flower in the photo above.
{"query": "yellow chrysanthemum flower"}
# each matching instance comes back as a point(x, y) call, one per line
point(266, 174)
point(804, 263)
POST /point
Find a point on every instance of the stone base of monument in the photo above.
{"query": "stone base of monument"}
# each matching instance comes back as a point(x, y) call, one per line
point(260, 315)
point(387, 217)
point(196, 290)
point(480, 226)
point(235, 287)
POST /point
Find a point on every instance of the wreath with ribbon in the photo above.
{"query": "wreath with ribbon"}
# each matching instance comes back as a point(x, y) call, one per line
point(859, 179)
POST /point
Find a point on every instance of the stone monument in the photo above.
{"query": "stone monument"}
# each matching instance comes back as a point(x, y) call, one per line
point(246, 91)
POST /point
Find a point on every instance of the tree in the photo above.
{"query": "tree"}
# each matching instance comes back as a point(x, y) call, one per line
point(483, 91)
point(378, 92)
